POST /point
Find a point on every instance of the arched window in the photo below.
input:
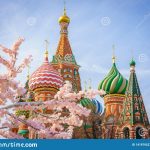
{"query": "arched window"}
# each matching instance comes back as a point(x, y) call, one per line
point(137, 118)
point(126, 133)
point(67, 70)
point(136, 107)
point(36, 136)
point(75, 72)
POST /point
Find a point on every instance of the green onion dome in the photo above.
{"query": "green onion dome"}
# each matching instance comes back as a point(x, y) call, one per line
point(23, 129)
point(85, 102)
point(23, 132)
point(114, 82)
point(132, 63)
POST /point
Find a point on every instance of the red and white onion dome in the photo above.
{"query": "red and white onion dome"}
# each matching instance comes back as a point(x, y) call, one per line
point(45, 76)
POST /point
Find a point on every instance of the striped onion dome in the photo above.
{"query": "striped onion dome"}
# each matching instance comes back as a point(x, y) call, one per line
point(85, 102)
point(23, 132)
point(114, 82)
point(45, 76)
point(99, 106)
point(23, 129)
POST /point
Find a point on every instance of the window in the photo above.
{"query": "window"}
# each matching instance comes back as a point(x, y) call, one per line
point(67, 76)
point(75, 72)
point(137, 118)
point(126, 133)
point(136, 107)
point(67, 70)
point(36, 136)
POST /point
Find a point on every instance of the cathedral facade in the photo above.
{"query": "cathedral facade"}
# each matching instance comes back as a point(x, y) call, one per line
point(125, 115)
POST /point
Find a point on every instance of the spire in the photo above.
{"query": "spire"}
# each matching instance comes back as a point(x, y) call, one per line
point(64, 18)
point(113, 56)
point(64, 47)
point(46, 50)
point(132, 65)
point(65, 14)
point(64, 59)
point(134, 109)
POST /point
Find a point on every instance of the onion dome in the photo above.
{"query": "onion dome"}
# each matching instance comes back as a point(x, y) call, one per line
point(64, 18)
point(45, 77)
point(132, 63)
point(23, 129)
point(85, 102)
point(114, 82)
point(23, 132)
point(99, 107)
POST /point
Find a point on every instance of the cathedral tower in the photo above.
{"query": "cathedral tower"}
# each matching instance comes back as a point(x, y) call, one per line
point(45, 81)
point(114, 84)
point(134, 121)
point(64, 60)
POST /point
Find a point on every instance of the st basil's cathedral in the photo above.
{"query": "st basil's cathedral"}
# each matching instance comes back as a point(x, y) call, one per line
point(124, 115)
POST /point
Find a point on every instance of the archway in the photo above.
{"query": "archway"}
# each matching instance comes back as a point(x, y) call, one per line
point(126, 133)
point(139, 133)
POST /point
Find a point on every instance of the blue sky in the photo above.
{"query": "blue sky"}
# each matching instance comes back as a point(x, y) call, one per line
point(95, 26)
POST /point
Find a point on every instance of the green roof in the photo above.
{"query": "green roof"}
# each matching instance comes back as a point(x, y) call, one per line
point(114, 82)
point(134, 104)
point(132, 63)
point(85, 102)
point(23, 132)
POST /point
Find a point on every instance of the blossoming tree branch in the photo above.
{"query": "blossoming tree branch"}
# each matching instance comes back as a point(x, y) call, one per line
point(51, 119)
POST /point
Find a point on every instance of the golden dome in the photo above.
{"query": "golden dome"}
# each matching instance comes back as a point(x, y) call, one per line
point(64, 18)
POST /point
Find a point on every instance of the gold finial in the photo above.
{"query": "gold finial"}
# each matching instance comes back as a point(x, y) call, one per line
point(64, 17)
point(28, 76)
point(85, 86)
point(46, 48)
point(113, 57)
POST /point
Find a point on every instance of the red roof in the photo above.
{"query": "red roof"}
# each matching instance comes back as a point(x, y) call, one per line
point(64, 46)
point(45, 76)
